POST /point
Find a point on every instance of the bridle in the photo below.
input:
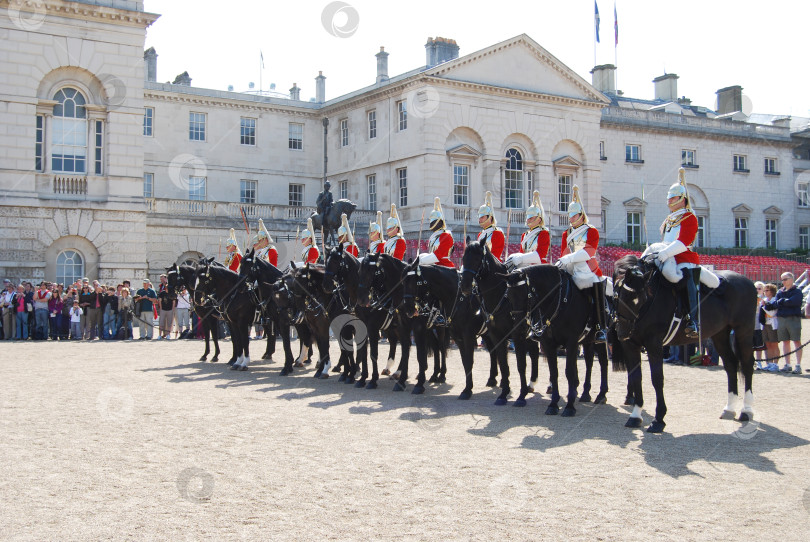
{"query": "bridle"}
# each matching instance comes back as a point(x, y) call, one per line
point(338, 287)
point(645, 304)
point(426, 308)
point(476, 275)
point(531, 306)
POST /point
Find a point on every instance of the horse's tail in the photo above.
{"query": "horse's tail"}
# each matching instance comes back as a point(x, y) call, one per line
point(619, 358)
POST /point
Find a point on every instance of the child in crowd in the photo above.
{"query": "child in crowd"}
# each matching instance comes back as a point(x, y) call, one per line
point(76, 321)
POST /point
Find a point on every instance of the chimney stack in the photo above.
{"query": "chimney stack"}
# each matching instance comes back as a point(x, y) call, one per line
point(604, 78)
point(150, 64)
point(666, 87)
point(382, 66)
point(183, 79)
point(320, 88)
point(440, 50)
point(729, 100)
point(295, 92)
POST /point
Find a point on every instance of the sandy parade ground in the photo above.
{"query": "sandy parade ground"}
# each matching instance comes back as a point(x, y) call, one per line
point(141, 441)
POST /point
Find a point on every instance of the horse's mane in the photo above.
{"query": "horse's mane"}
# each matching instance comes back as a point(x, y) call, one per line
point(624, 264)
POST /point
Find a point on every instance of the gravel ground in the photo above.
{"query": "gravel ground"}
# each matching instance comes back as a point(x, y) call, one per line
point(142, 441)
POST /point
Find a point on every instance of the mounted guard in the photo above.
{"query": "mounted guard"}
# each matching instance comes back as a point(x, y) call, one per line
point(375, 239)
point(346, 238)
point(264, 250)
point(310, 252)
point(395, 245)
point(534, 243)
point(440, 243)
point(234, 256)
point(491, 235)
point(579, 245)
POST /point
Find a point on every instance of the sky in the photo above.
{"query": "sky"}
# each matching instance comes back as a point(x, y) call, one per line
point(710, 44)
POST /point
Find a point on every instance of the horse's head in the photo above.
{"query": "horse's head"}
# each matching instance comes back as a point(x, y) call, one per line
point(630, 292)
point(174, 279)
point(246, 266)
point(282, 291)
point(517, 293)
point(367, 277)
point(474, 265)
point(333, 268)
point(412, 289)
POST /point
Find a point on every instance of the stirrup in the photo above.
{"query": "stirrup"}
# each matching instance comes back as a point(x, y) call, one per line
point(600, 337)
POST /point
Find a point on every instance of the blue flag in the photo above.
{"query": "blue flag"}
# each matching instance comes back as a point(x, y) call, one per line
point(596, 19)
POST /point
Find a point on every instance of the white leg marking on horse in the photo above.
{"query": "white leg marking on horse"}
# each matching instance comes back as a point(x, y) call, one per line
point(731, 406)
point(303, 354)
point(533, 385)
point(245, 361)
point(326, 366)
point(390, 364)
point(748, 403)
point(238, 361)
point(636, 412)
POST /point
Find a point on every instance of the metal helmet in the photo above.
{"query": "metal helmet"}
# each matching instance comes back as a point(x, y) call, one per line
point(575, 207)
point(437, 214)
point(536, 209)
point(376, 226)
point(393, 220)
point(486, 209)
point(327, 184)
point(232, 240)
point(309, 232)
point(344, 228)
point(263, 233)
point(678, 190)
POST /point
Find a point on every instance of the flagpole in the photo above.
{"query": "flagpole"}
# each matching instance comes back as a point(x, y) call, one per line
point(616, 44)
point(261, 64)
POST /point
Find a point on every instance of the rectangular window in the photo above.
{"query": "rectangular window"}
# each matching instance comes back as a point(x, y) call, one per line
point(770, 166)
point(196, 188)
point(247, 131)
point(98, 147)
point(402, 114)
point(634, 228)
point(804, 237)
point(513, 186)
point(740, 163)
point(247, 191)
point(402, 175)
point(343, 189)
point(196, 126)
point(69, 145)
point(372, 124)
point(148, 185)
point(371, 182)
point(803, 191)
point(700, 239)
point(632, 153)
point(461, 185)
point(38, 147)
point(529, 187)
point(296, 195)
point(770, 232)
point(296, 136)
point(148, 120)
point(741, 232)
point(602, 155)
point(344, 132)
point(688, 158)
point(564, 192)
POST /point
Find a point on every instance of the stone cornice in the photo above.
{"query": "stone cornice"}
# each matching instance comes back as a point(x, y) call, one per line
point(38, 9)
point(193, 99)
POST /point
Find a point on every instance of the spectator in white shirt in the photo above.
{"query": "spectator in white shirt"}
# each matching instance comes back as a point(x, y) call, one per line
point(183, 307)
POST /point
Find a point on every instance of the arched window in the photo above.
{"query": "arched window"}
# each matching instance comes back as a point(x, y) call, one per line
point(513, 179)
point(69, 267)
point(69, 133)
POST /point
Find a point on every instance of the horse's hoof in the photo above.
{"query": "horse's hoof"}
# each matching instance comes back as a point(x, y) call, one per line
point(337, 369)
point(552, 410)
point(465, 395)
point(342, 378)
point(744, 417)
point(243, 367)
point(307, 361)
point(500, 401)
point(585, 398)
point(298, 364)
point(601, 399)
point(520, 402)
point(385, 372)
point(441, 379)
point(492, 383)
point(215, 359)
point(324, 376)
point(317, 374)
point(350, 380)
point(231, 362)
point(399, 387)
point(549, 390)
point(203, 358)
point(371, 386)
point(234, 367)
point(728, 415)
point(360, 384)
point(569, 412)
point(433, 379)
point(418, 389)
point(634, 423)
point(656, 427)
point(285, 372)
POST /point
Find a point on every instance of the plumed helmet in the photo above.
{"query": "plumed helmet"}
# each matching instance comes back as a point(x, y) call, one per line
point(344, 228)
point(536, 209)
point(376, 226)
point(309, 232)
point(393, 220)
point(263, 233)
point(327, 184)
point(486, 209)
point(437, 214)
point(678, 190)
point(575, 207)
point(232, 240)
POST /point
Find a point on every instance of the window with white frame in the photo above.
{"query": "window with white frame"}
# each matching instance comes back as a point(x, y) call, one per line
point(296, 136)
point(402, 115)
point(513, 180)
point(770, 167)
point(39, 145)
point(372, 124)
point(634, 227)
point(98, 147)
point(602, 155)
point(529, 186)
point(371, 185)
point(296, 195)
point(344, 132)
point(343, 189)
point(740, 163)
point(149, 185)
point(196, 188)
point(688, 158)
point(461, 184)
point(402, 176)
point(741, 232)
point(148, 121)
point(247, 131)
point(632, 153)
point(196, 126)
point(700, 238)
point(771, 225)
point(247, 191)
point(69, 137)
point(563, 192)
point(69, 267)
point(804, 237)
point(803, 191)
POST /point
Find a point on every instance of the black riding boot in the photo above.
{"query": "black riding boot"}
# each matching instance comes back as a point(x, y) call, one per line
point(692, 276)
point(600, 337)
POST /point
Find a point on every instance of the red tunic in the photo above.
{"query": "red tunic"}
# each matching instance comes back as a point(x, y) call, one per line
point(272, 256)
point(236, 259)
point(376, 247)
point(591, 245)
point(686, 230)
point(352, 249)
point(310, 254)
point(395, 246)
point(543, 244)
point(441, 245)
point(495, 239)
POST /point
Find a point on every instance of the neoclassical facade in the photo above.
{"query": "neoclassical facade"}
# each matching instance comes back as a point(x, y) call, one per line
point(106, 172)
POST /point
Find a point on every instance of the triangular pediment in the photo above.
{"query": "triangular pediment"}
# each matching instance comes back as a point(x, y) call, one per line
point(464, 150)
point(605, 201)
point(519, 63)
point(741, 209)
point(567, 161)
point(772, 210)
point(634, 202)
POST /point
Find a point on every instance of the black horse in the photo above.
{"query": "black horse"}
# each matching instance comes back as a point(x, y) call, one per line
point(185, 275)
point(481, 267)
point(645, 304)
point(558, 314)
